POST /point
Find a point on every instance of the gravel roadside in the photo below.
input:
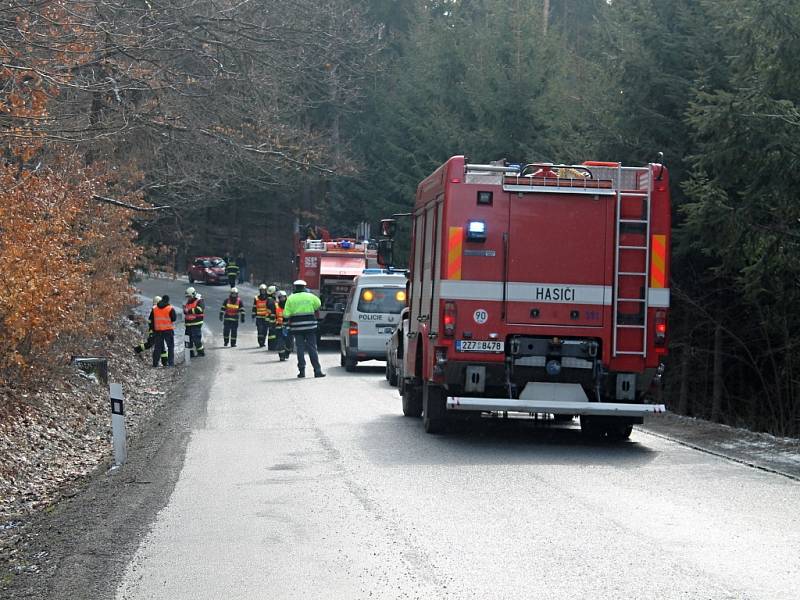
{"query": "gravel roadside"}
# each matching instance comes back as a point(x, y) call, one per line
point(758, 450)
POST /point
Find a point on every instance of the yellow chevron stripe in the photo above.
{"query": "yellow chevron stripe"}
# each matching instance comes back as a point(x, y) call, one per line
point(455, 244)
point(658, 262)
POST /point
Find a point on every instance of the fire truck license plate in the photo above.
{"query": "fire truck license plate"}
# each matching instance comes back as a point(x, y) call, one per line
point(478, 346)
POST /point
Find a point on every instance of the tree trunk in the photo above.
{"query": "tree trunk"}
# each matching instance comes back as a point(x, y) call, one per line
point(716, 403)
point(683, 394)
point(545, 16)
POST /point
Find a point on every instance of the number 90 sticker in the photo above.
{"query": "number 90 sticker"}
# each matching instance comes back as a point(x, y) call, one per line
point(480, 316)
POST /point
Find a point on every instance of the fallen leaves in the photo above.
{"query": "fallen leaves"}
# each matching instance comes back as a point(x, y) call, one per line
point(51, 439)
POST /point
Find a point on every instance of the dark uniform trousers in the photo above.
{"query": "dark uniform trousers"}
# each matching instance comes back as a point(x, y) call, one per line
point(283, 341)
point(160, 339)
point(194, 340)
point(263, 330)
point(229, 329)
point(306, 341)
point(148, 343)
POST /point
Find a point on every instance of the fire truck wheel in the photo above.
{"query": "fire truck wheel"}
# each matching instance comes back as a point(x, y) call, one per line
point(611, 432)
point(391, 375)
point(619, 433)
point(591, 428)
point(434, 409)
point(412, 401)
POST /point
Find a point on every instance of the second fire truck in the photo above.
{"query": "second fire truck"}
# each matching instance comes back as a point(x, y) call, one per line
point(329, 266)
point(537, 289)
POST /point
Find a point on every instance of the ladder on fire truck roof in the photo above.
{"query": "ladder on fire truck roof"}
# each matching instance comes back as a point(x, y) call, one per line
point(628, 253)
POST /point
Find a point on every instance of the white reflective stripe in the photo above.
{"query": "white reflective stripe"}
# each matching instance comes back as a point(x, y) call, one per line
point(658, 297)
point(460, 289)
point(552, 293)
point(552, 189)
point(558, 293)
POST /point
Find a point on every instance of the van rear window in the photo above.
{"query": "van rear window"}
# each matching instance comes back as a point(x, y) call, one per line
point(382, 300)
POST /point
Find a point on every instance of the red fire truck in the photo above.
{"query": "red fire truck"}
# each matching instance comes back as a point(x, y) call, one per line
point(329, 266)
point(538, 289)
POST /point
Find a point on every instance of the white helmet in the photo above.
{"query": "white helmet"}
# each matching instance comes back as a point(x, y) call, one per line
point(234, 291)
point(156, 299)
point(272, 289)
point(300, 283)
point(262, 287)
point(281, 294)
point(190, 291)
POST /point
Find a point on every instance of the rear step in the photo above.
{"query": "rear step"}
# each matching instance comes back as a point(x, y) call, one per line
point(613, 409)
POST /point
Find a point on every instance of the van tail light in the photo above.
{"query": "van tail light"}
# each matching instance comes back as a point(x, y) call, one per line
point(661, 328)
point(449, 318)
point(352, 331)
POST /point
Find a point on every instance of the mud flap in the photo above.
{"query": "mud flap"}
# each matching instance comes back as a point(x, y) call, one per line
point(434, 407)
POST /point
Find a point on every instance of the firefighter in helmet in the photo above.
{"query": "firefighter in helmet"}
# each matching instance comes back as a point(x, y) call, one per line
point(148, 343)
point(283, 339)
point(193, 313)
point(263, 305)
point(232, 271)
point(231, 311)
point(271, 339)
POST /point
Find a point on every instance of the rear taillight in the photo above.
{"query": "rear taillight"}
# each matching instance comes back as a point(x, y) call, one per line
point(353, 329)
point(661, 328)
point(449, 319)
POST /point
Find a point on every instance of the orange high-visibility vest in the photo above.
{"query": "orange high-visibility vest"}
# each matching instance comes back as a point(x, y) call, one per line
point(278, 314)
point(231, 309)
point(161, 320)
point(261, 307)
point(190, 316)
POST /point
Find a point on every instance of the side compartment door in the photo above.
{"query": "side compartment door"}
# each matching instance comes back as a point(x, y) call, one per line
point(415, 298)
point(437, 267)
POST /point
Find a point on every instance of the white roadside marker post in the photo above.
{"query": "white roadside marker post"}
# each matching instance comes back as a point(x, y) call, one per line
point(118, 424)
point(187, 351)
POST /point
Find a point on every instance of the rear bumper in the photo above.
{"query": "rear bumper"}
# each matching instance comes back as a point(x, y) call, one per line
point(360, 354)
point(330, 323)
point(557, 407)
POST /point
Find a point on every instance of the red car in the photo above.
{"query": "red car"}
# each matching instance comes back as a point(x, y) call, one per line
point(208, 269)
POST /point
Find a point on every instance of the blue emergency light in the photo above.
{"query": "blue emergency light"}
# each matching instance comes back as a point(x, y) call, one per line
point(476, 231)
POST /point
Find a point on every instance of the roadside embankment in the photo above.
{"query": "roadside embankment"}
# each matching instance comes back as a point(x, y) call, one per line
point(53, 439)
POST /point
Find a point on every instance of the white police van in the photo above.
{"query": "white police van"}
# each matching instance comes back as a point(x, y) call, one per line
point(372, 313)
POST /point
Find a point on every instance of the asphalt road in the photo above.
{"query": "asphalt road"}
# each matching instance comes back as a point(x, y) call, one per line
point(320, 488)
